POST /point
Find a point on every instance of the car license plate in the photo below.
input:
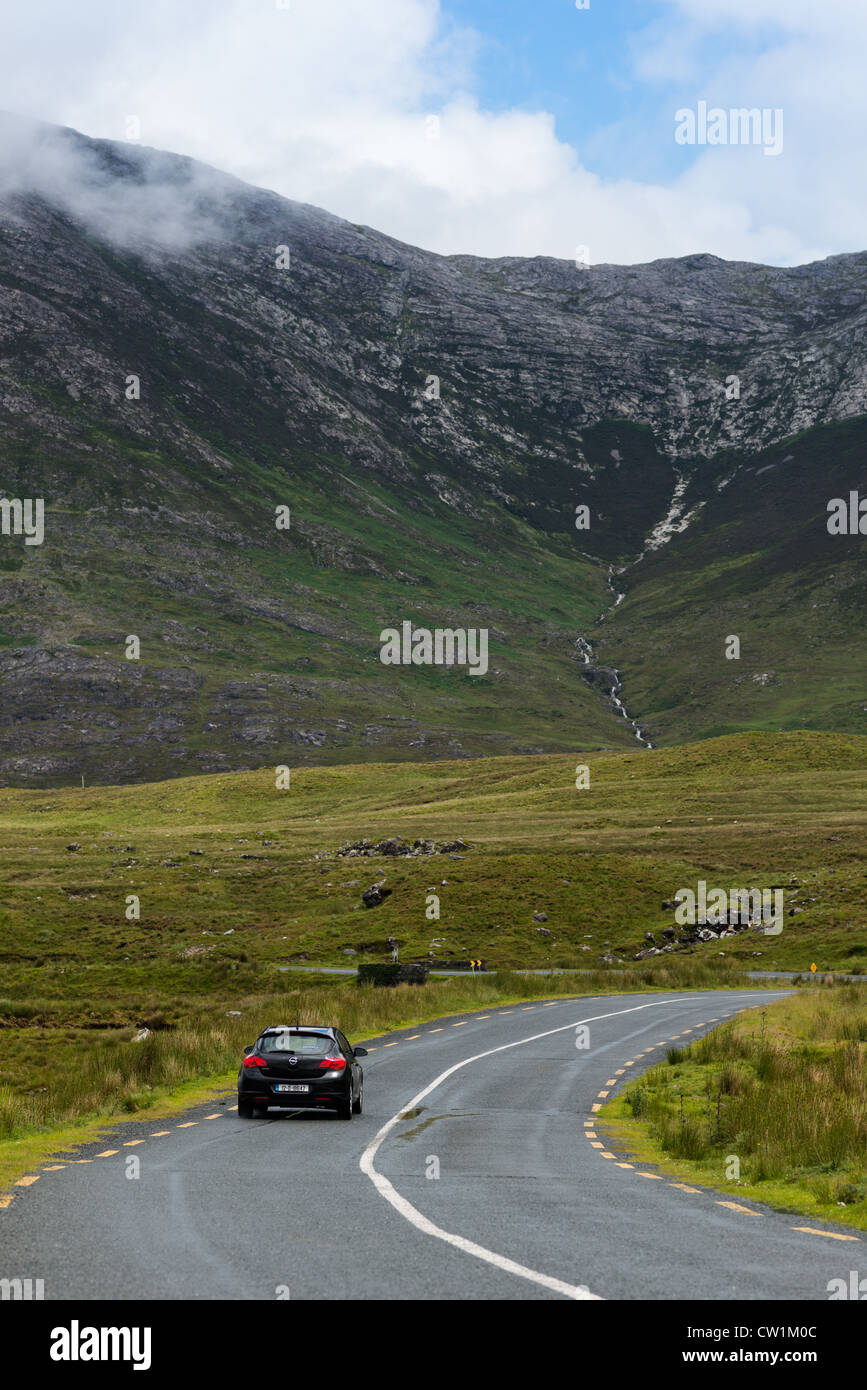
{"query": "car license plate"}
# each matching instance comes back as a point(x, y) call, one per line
point(291, 1088)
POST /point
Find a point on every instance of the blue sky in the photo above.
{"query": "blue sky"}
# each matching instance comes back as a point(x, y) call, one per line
point(581, 66)
point(576, 64)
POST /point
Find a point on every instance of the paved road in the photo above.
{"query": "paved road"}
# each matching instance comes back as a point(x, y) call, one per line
point(752, 974)
point(528, 1204)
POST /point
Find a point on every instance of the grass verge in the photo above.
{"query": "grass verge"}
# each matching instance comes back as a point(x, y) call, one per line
point(770, 1106)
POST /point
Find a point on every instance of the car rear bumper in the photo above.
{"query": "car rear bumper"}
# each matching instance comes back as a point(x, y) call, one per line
point(264, 1092)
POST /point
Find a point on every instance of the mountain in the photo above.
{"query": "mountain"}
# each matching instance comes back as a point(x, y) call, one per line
point(432, 423)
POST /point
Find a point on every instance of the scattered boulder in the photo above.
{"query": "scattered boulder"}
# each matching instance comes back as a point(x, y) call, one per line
point(543, 931)
point(373, 896)
point(540, 916)
point(394, 845)
point(141, 1035)
point(71, 849)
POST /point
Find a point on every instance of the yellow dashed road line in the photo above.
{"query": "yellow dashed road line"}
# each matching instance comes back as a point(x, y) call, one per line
point(736, 1206)
point(432, 1030)
point(605, 1154)
point(131, 1143)
point(28, 1181)
point(188, 1125)
point(394, 1044)
point(597, 1145)
point(656, 1176)
point(684, 1188)
point(832, 1235)
point(107, 1153)
point(53, 1167)
point(217, 1115)
point(412, 1037)
point(461, 1024)
point(6, 1200)
point(626, 1165)
point(160, 1132)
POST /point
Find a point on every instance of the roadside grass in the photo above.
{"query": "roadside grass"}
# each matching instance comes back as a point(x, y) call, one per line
point(117, 1080)
point(770, 1106)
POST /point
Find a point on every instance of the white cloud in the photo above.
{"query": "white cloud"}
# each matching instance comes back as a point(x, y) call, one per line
point(326, 103)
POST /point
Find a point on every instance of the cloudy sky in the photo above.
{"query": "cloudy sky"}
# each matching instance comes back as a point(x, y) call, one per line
point(499, 127)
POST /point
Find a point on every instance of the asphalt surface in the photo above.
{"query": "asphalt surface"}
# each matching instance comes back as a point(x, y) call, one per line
point(528, 1203)
point(752, 974)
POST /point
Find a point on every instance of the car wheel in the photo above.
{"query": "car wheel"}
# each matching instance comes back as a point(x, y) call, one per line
point(345, 1108)
point(356, 1105)
point(245, 1109)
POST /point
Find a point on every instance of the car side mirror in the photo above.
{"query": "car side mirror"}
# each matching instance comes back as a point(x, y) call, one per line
point(247, 1051)
point(359, 1052)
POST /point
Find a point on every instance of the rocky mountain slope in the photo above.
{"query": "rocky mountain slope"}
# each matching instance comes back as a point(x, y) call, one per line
point(182, 354)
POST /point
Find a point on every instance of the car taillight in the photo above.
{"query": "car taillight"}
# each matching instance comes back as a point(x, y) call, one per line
point(254, 1061)
point(332, 1064)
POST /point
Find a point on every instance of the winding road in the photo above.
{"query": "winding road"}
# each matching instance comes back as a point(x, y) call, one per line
point(475, 1172)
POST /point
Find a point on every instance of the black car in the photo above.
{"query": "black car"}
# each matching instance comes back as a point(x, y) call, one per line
point(301, 1066)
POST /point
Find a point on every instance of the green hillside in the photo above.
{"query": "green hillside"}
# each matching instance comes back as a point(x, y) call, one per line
point(743, 810)
point(433, 424)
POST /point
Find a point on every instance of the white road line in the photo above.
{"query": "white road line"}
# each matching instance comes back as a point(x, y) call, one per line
point(577, 1292)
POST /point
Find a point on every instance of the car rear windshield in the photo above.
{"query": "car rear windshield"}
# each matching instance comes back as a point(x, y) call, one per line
point(305, 1044)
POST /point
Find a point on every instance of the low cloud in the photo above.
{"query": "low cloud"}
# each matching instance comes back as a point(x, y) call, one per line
point(128, 195)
